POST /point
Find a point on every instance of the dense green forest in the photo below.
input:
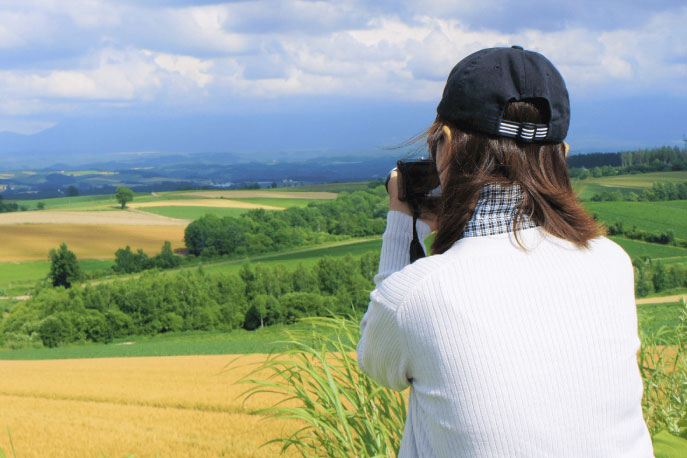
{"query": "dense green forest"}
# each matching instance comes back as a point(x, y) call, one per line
point(658, 191)
point(358, 214)
point(154, 303)
point(659, 159)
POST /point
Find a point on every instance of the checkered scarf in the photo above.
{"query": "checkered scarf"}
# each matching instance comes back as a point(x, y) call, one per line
point(495, 211)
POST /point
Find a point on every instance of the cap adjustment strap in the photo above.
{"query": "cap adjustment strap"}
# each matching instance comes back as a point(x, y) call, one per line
point(525, 131)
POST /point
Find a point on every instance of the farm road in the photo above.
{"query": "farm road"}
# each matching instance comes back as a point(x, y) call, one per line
point(662, 300)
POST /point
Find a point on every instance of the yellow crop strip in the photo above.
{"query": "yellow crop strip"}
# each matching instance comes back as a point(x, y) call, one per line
point(173, 406)
point(88, 241)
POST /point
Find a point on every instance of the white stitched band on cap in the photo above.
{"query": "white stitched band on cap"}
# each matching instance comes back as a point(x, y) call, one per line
point(526, 131)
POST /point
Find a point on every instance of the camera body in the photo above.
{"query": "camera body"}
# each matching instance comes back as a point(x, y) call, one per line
point(419, 178)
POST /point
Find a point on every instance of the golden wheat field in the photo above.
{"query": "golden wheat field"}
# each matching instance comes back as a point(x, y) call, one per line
point(27, 242)
point(128, 218)
point(178, 406)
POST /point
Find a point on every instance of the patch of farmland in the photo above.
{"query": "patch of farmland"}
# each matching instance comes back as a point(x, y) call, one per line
point(334, 187)
point(226, 203)
point(278, 202)
point(84, 217)
point(305, 257)
point(252, 194)
point(641, 180)
point(15, 273)
point(168, 406)
point(192, 213)
point(586, 188)
point(638, 249)
point(646, 216)
point(33, 241)
point(186, 343)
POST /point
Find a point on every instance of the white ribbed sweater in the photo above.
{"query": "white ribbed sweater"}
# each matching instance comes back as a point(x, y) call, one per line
point(510, 353)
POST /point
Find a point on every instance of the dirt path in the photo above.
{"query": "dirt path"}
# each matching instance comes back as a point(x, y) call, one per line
point(662, 299)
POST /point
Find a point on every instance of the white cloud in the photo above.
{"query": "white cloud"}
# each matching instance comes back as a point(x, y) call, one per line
point(130, 53)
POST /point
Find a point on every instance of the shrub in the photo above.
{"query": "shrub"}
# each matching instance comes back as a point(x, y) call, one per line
point(663, 364)
point(344, 412)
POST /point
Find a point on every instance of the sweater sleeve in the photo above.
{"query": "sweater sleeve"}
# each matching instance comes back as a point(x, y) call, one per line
point(382, 351)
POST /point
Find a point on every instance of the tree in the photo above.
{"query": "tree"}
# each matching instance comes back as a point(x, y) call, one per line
point(166, 259)
point(124, 195)
point(72, 191)
point(64, 268)
point(40, 205)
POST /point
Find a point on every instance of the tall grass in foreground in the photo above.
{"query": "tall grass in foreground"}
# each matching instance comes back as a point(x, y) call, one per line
point(340, 411)
point(663, 364)
point(343, 413)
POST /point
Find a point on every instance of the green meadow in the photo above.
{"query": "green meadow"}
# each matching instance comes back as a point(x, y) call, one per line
point(647, 216)
point(238, 341)
point(17, 278)
point(640, 249)
point(586, 188)
point(278, 202)
point(306, 257)
point(194, 212)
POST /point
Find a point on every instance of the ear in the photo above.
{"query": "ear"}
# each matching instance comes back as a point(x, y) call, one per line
point(567, 148)
point(447, 132)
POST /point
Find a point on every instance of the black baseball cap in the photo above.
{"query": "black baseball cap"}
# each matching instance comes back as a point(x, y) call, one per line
point(480, 86)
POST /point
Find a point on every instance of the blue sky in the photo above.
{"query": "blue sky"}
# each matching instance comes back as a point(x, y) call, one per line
point(341, 76)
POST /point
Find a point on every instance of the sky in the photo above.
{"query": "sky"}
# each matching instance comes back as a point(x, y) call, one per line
point(263, 77)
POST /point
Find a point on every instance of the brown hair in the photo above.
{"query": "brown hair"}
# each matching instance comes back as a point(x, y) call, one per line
point(539, 168)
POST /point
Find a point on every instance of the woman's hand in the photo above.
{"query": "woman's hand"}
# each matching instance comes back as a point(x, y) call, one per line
point(395, 204)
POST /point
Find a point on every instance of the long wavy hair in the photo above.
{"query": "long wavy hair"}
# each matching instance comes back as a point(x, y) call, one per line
point(539, 168)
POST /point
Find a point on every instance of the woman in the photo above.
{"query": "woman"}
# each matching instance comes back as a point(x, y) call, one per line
point(518, 334)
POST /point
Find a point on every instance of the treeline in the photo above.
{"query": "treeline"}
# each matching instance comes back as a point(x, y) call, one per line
point(153, 304)
point(358, 214)
point(6, 207)
point(658, 191)
point(654, 276)
point(664, 238)
point(641, 161)
point(126, 261)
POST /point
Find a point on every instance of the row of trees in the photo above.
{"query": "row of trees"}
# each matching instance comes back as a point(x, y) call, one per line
point(654, 276)
point(151, 304)
point(359, 214)
point(658, 191)
point(126, 261)
point(664, 238)
point(65, 269)
point(6, 207)
point(641, 160)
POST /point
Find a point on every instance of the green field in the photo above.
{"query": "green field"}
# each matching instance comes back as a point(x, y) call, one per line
point(646, 216)
point(653, 316)
point(101, 202)
point(279, 202)
point(238, 341)
point(196, 212)
point(639, 249)
point(16, 278)
point(585, 189)
point(330, 187)
point(306, 257)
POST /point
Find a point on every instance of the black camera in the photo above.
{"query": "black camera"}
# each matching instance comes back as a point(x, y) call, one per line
point(418, 184)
